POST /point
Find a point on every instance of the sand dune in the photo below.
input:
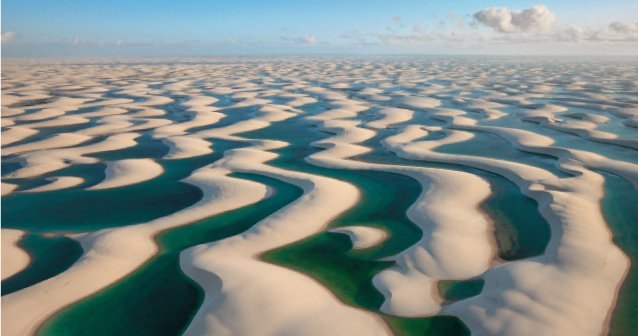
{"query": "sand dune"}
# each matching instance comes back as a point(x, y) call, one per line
point(391, 116)
point(446, 227)
point(14, 259)
point(8, 188)
point(362, 237)
point(125, 172)
point(574, 203)
point(57, 141)
point(112, 253)
point(236, 280)
point(185, 147)
point(15, 134)
point(44, 161)
point(57, 183)
point(551, 130)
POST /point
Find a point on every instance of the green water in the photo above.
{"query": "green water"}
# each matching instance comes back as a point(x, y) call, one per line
point(520, 230)
point(98, 209)
point(621, 214)
point(49, 256)
point(10, 163)
point(491, 146)
point(328, 257)
point(441, 325)
point(563, 139)
point(158, 299)
point(232, 115)
point(52, 256)
point(454, 290)
point(47, 132)
point(146, 147)
point(92, 173)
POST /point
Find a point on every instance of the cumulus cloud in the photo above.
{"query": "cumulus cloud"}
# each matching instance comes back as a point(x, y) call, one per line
point(303, 39)
point(613, 32)
point(355, 37)
point(310, 39)
point(8, 37)
point(619, 31)
point(415, 36)
point(571, 34)
point(533, 26)
point(450, 28)
point(538, 18)
point(459, 22)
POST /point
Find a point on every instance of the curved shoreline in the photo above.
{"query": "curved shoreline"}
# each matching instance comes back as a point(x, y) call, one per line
point(14, 259)
point(419, 264)
point(243, 249)
point(61, 124)
point(519, 176)
point(160, 279)
point(110, 254)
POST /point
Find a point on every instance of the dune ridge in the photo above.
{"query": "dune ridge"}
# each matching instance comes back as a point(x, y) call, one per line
point(563, 126)
point(14, 259)
point(113, 253)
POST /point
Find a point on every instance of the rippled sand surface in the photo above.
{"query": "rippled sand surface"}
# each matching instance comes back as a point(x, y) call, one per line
point(320, 196)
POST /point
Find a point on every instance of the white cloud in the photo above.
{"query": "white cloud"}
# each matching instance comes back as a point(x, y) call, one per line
point(618, 31)
point(624, 28)
point(538, 18)
point(303, 39)
point(8, 37)
point(613, 32)
point(571, 34)
point(77, 41)
point(396, 19)
point(530, 28)
point(459, 22)
point(416, 36)
point(310, 39)
point(355, 37)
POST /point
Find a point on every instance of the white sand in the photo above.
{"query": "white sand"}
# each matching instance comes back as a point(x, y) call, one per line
point(362, 237)
point(40, 161)
point(14, 259)
point(56, 141)
point(15, 134)
point(112, 253)
point(58, 183)
point(234, 279)
point(446, 211)
point(418, 102)
point(391, 116)
point(185, 147)
point(569, 289)
point(8, 188)
point(126, 172)
point(575, 204)
point(57, 122)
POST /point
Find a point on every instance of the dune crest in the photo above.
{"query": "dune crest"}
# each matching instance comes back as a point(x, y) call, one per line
point(465, 132)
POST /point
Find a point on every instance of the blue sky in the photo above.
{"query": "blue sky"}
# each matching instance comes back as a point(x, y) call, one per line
point(197, 27)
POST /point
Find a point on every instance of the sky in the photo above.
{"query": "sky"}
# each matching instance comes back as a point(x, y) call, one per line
point(197, 27)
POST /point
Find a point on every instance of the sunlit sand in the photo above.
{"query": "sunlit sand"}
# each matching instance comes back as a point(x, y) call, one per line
point(312, 124)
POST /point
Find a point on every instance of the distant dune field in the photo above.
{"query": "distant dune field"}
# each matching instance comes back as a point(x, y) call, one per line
point(319, 196)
